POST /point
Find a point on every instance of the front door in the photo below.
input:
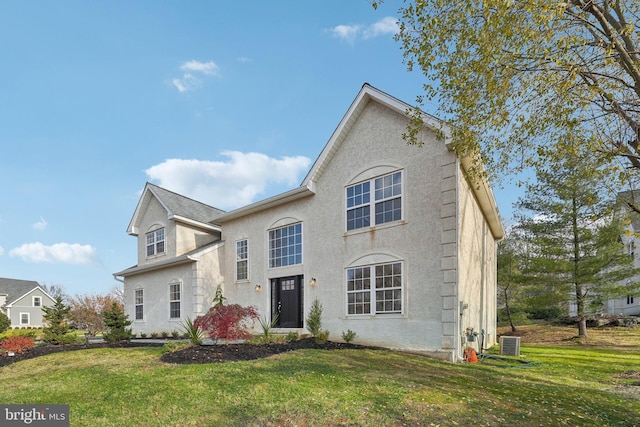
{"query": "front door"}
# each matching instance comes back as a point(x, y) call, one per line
point(286, 301)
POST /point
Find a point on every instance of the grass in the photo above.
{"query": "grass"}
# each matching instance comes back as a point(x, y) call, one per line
point(570, 383)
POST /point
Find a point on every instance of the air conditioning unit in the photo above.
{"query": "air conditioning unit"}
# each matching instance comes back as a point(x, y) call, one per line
point(510, 346)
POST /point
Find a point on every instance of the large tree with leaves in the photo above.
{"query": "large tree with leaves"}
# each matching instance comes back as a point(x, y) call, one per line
point(573, 232)
point(514, 76)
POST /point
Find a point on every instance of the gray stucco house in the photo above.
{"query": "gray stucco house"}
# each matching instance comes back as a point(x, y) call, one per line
point(22, 302)
point(393, 239)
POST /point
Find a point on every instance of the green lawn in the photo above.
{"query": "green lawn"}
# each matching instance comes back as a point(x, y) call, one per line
point(573, 385)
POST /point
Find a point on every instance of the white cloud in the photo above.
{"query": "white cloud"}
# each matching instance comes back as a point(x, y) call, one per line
point(59, 253)
point(388, 25)
point(228, 184)
point(350, 33)
point(347, 33)
point(207, 68)
point(40, 225)
point(193, 73)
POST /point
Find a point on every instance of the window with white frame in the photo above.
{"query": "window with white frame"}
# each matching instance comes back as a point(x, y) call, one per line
point(174, 300)
point(155, 242)
point(385, 202)
point(37, 301)
point(375, 289)
point(285, 246)
point(25, 318)
point(139, 304)
point(242, 260)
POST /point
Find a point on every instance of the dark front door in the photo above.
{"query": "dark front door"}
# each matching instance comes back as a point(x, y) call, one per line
point(286, 301)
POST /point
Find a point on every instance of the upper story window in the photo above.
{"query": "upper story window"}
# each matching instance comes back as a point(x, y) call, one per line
point(375, 289)
point(139, 303)
point(155, 242)
point(385, 202)
point(242, 260)
point(37, 301)
point(285, 246)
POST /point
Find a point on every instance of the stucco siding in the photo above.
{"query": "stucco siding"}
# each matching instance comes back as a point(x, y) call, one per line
point(155, 217)
point(477, 271)
point(373, 146)
point(198, 281)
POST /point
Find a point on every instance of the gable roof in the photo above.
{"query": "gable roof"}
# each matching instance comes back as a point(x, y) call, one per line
point(178, 207)
point(15, 289)
point(367, 94)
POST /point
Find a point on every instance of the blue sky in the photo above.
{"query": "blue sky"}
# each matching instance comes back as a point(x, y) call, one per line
point(225, 102)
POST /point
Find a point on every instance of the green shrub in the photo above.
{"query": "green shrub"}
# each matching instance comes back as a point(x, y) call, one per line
point(192, 332)
point(322, 336)
point(116, 321)
point(5, 323)
point(267, 326)
point(348, 336)
point(292, 336)
point(314, 319)
point(172, 346)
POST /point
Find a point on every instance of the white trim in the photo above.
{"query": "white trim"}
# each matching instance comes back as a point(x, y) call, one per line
point(33, 300)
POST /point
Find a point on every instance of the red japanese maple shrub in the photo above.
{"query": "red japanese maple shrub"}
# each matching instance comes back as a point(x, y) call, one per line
point(17, 344)
point(227, 322)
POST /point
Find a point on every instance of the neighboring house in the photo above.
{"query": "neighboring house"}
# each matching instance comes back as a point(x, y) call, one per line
point(393, 240)
point(22, 302)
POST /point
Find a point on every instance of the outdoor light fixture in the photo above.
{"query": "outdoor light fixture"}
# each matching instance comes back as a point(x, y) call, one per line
point(312, 282)
point(258, 287)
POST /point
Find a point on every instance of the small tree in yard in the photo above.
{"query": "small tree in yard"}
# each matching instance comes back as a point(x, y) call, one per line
point(87, 310)
point(228, 322)
point(57, 327)
point(116, 321)
point(314, 319)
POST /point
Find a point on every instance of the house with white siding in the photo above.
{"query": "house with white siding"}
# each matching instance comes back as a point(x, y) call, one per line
point(396, 241)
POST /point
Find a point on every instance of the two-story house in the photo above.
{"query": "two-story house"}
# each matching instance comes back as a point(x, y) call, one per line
point(394, 240)
point(22, 302)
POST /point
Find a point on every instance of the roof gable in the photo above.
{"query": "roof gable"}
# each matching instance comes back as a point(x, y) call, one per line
point(178, 207)
point(16, 289)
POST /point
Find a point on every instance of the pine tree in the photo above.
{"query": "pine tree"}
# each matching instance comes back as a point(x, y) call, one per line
point(573, 233)
point(116, 321)
point(57, 327)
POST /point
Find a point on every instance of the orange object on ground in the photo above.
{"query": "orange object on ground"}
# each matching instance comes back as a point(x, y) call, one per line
point(470, 355)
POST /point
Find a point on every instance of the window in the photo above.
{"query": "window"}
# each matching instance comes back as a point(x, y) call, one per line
point(285, 246)
point(375, 289)
point(629, 299)
point(155, 242)
point(25, 318)
point(37, 301)
point(174, 300)
point(139, 304)
point(242, 258)
point(386, 203)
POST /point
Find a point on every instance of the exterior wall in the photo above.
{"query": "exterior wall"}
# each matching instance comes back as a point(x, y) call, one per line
point(155, 217)
point(198, 281)
point(188, 238)
point(25, 305)
point(372, 147)
point(477, 266)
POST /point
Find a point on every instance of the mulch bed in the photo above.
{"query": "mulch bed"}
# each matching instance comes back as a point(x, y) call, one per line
point(190, 355)
point(238, 352)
